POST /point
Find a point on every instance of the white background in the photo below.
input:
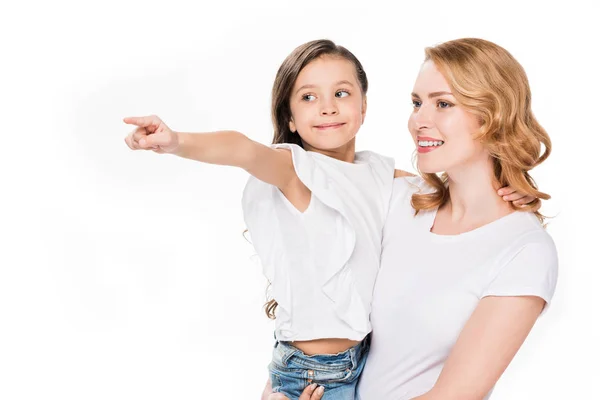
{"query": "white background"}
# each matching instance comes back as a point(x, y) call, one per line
point(124, 275)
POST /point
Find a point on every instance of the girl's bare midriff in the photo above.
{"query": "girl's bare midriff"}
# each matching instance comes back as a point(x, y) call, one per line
point(324, 346)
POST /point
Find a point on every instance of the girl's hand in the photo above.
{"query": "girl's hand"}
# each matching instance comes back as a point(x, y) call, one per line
point(518, 199)
point(151, 134)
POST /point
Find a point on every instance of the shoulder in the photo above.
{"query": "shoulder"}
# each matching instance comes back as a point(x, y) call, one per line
point(528, 265)
point(527, 231)
point(376, 160)
point(409, 184)
point(382, 166)
point(297, 152)
point(398, 173)
point(402, 191)
point(529, 250)
point(373, 156)
point(534, 242)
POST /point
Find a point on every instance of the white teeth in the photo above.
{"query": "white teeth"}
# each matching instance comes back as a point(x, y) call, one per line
point(430, 143)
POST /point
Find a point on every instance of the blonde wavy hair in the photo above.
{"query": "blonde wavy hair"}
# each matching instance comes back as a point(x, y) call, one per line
point(488, 81)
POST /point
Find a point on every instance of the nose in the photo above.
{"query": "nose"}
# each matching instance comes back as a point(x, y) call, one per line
point(329, 107)
point(422, 118)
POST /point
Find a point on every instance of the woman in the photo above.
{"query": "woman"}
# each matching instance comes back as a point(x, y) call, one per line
point(463, 275)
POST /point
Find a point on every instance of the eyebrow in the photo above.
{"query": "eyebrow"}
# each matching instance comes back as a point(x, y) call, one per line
point(432, 94)
point(343, 82)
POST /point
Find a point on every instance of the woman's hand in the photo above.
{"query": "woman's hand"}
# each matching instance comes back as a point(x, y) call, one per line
point(311, 392)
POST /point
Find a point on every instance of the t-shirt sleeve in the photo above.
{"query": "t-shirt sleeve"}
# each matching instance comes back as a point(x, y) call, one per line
point(278, 233)
point(283, 241)
point(532, 271)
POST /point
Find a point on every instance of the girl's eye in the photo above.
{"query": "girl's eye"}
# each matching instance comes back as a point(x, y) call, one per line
point(341, 93)
point(308, 97)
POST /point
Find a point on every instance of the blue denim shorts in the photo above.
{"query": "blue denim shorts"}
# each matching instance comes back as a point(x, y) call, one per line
point(291, 371)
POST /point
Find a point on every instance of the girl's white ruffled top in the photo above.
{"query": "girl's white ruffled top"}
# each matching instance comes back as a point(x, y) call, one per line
point(322, 263)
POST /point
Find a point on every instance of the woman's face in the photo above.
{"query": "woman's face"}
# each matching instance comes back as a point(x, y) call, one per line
point(441, 128)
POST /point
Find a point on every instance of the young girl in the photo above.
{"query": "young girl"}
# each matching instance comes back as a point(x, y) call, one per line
point(315, 210)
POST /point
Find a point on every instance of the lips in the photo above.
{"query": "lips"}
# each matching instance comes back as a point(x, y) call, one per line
point(427, 138)
point(426, 144)
point(330, 125)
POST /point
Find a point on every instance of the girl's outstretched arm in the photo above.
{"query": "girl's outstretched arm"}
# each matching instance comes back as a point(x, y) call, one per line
point(273, 166)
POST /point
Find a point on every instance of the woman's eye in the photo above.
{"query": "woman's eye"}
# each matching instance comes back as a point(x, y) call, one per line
point(443, 104)
point(416, 103)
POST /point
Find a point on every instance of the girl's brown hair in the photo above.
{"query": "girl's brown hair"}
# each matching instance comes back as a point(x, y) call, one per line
point(281, 113)
point(287, 75)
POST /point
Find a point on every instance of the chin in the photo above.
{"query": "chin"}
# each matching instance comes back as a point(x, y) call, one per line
point(429, 168)
point(329, 143)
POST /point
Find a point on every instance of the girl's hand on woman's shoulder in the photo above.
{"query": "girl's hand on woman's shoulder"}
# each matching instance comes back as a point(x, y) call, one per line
point(517, 198)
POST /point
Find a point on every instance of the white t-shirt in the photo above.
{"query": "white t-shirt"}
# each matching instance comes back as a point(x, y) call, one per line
point(322, 263)
point(429, 285)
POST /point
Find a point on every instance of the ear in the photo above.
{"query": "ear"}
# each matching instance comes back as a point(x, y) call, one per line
point(364, 109)
point(292, 125)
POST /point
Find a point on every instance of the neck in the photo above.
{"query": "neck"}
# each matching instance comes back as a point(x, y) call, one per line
point(344, 153)
point(474, 194)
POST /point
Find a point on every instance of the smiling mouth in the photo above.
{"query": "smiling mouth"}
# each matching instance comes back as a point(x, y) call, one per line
point(330, 126)
point(430, 143)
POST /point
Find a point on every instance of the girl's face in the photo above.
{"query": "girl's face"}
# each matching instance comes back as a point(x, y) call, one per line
point(442, 130)
point(327, 104)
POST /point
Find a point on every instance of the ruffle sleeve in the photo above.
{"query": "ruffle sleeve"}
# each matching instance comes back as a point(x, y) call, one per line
point(280, 245)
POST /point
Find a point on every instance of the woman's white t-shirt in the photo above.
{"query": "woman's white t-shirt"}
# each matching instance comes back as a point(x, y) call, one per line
point(429, 285)
point(322, 263)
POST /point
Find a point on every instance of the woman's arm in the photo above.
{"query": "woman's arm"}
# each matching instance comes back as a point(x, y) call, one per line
point(487, 344)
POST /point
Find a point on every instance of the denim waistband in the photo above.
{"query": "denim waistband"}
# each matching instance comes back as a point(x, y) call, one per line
point(284, 351)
